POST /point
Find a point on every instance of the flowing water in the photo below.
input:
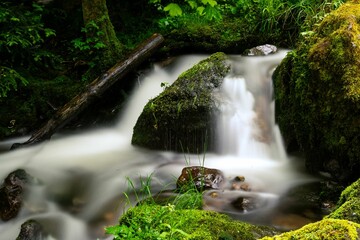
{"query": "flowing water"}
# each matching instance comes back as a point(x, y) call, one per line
point(82, 177)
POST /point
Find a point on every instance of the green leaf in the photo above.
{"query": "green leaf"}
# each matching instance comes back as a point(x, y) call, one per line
point(200, 11)
point(15, 19)
point(173, 9)
point(210, 2)
point(212, 13)
point(192, 4)
point(99, 45)
point(49, 32)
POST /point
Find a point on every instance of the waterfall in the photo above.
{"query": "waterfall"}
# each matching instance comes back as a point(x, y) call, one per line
point(246, 126)
point(89, 169)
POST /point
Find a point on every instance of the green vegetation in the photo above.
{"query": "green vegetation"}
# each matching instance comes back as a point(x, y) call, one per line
point(348, 206)
point(179, 217)
point(22, 34)
point(233, 26)
point(167, 222)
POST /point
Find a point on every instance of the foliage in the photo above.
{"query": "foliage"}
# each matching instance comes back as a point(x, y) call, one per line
point(9, 80)
point(269, 17)
point(92, 43)
point(22, 35)
point(209, 9)
point(89, 46)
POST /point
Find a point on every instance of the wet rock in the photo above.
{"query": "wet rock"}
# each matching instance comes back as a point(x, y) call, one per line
point(200, 177)
point(12, 194)
point(245, 204)
point(236, 202)
point(261, 50)
point(31, 230)
point(181, 118)
point(238, 183)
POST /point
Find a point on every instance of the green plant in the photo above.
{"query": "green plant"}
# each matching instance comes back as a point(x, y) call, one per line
point(10, 80)
point(89, 43)
point(22, 35)
point(209, 9)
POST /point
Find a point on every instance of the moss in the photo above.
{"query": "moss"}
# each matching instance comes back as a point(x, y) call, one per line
point(231, 35)
point(179, 118)
point(348, 206)
point(158, 222)
point(317, 92)
point(329, 229)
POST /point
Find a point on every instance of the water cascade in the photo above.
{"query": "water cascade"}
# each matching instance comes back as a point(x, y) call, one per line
point(81, 178)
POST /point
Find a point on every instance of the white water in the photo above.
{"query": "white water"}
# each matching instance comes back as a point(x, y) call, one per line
point(83, 176)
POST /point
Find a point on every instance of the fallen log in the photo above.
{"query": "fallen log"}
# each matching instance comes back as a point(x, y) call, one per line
point(94, 90)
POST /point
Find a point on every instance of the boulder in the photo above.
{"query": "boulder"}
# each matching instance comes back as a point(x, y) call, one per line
point(12, 194)
point(180, 118)
point(317, 95)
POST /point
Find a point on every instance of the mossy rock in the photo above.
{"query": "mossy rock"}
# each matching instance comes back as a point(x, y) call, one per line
point(329, 229)
point(181, 117)
point(348, 206)
point(317, 94)
point(165, 222)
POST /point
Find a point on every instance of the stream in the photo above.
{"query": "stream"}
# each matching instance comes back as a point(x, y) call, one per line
point(81, 177)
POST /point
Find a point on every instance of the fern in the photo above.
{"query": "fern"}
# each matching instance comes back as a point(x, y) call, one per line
point(10, 79)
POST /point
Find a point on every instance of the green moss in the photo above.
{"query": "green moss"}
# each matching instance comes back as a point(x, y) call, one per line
point(329, 229)
point(179, 118)
point(317, 90)
point(164, 222)
point(348, 206)
point(231, 35)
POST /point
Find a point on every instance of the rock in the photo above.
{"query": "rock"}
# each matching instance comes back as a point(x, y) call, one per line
point(348, 206)
point(181, 117)
point(317, 95)
point(12, 194)
point(261, 50)
point(31, 230)
point(238, 183)
point(200, 177)
point(245, 204)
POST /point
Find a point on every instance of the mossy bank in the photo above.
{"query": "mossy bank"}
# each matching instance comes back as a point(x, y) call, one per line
point(165, 222)
point(348, 206)
point(317, 94)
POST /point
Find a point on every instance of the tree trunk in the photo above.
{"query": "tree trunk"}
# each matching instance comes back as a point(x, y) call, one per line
point(94, 90)
point(97, 11)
